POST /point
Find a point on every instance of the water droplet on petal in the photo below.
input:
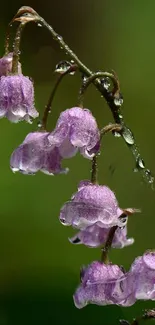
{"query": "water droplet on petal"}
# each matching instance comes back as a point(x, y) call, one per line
point(15, 169)
point(128, 136)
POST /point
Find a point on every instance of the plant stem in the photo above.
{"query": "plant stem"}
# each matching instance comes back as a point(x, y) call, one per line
point(16, 51)
point(94, 170)
point(107, 246)
point(93, 77)
point(72, 68)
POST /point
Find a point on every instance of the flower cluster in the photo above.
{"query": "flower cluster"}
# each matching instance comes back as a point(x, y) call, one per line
point(103, 284)
point(93, 210)
point(76, 129)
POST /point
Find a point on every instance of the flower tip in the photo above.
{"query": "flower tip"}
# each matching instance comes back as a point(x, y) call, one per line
point(79, 299)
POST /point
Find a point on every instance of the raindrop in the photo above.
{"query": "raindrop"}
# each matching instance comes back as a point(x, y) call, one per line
point(15, 169)
point(30, 120)
point(59, 37)
point(63, 66)
point(149, 176)
point(106, 83)
point(116, 134)
point(84, 78)
point(128, 136)
point(39, 25)
point(118, 101)
point(39, 124)
point(140, 163)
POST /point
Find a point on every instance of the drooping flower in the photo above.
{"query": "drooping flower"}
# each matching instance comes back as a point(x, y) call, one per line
point(17, 98)
point(94, 236)
point(98, 283)
point(76, 129)
point(6, 65)
point(142, 275)
point(35, 154)
point(92, 205)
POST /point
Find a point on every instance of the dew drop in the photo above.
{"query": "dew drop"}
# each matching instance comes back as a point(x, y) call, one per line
point(149, 176)
point(116, 134)
point(30, 121)
point(84, 78)
point(140, 163)
point(128, 136)
point(39, 25)
point(39, 124)
point(118, 101)
point(106, 83)
point(59, 37)
point(63, 66)
point(15, 169)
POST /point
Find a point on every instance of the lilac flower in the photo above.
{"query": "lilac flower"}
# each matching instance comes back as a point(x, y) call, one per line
point(142, 276)
point(98, 283)
point(92, 205)
point(17, 98)
point(76, 129)
point(35, 154)
point(94, 236)
point(6, 65)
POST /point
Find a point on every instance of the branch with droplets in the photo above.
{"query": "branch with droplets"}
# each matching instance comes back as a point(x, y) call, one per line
point(114, 100)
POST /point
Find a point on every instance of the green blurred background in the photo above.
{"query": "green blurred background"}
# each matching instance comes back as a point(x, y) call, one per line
point(39, 268)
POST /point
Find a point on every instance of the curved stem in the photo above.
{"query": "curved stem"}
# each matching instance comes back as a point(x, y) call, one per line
point(114, 100)
point(93, 77)
point(72, 68)
point(16, 51)
point(110, 128)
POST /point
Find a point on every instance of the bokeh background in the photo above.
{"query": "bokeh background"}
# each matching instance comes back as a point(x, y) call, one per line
point(39, 268)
